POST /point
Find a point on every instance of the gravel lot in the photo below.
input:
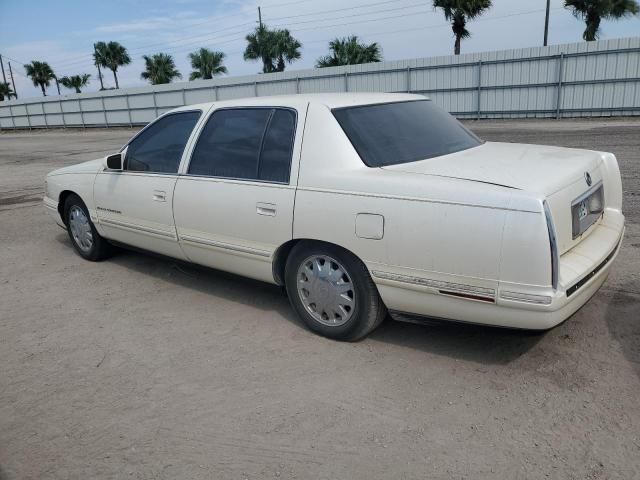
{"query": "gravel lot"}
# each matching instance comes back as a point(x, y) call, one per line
point(141, 367)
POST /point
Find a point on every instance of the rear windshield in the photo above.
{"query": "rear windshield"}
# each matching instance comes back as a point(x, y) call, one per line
point(402, 132)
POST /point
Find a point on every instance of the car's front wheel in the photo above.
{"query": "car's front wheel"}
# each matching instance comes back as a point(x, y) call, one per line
point(84, 237)
point(332, 291)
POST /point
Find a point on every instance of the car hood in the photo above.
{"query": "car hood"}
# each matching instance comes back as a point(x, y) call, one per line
point(535, 168)
point(92, 166)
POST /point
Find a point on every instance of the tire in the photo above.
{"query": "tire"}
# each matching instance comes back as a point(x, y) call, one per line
point(321, 278)
point(83, 234)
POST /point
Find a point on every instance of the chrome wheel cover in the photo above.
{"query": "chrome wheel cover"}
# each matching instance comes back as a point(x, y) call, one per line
point(80, 228)
point(325, 290)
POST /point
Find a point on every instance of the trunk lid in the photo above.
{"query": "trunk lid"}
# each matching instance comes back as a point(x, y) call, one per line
point(534, 168)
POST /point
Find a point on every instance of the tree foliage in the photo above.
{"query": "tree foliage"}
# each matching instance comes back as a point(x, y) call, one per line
point(76, 82)
point(274, 48)
point(41, 74)
point(459, 12)
point(5, 91)
point(206, 64)
point(111, 55)
point(350, 51)
point(593, 11)
point(159, 68)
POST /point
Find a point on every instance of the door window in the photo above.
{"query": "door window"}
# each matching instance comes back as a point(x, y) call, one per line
point(159, 147)
point(246, 143)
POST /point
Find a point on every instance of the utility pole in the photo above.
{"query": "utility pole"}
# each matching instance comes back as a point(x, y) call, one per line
point(546, 24)
point(260, 18)
point(95, 57)
point(15, 92)
point(4, 79)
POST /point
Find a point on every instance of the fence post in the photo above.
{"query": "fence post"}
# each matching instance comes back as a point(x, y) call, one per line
point(184, 98)
point(215, 92)
point(26, 109)
point(64, 123)
point(297, 84)
point(104, 112)
point(346, 81)
point(13, 119)
point(408, 79)
point(155, 105)
point(479, 88)
point(44, 115)
point(255, 88)
point(126, 100)
point(559, 92)
point(81, 112)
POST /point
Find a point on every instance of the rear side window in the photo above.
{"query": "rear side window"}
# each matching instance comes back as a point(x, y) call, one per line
point(159, 147)
point(402, 132)
point(246, 143)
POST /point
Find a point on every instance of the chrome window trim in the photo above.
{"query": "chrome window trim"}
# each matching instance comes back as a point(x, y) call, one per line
point(148, 125)
point(553, 244)
point(246, 107)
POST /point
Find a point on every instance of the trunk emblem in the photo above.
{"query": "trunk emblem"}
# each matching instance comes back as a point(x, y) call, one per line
point(587, 177)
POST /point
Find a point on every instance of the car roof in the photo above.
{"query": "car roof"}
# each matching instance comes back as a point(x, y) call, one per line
point(330, 100)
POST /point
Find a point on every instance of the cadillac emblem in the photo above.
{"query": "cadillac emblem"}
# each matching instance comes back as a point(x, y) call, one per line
point(587, 177)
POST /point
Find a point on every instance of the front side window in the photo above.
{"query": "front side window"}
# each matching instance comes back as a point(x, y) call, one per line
point(402, 132)
point(159, 147)
point(246, 143)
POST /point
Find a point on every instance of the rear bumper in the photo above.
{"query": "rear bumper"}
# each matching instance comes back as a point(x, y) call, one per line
point(583, 270)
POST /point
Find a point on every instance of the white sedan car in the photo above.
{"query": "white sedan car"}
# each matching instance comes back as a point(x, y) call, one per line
point(359, 204)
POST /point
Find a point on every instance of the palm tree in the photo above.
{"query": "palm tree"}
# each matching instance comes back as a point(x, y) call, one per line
point(349, 51)
point(41, 74)
point(593, 11)
point(206, 64)
point(458, 12)
point(159, 68)
point(286, 47)
point(76, 81)
point(111, 55)
point(272, 47)
point(5, 91)
point(259, 47)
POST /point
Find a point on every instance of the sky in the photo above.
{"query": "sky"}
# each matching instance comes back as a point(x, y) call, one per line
point(63, 32)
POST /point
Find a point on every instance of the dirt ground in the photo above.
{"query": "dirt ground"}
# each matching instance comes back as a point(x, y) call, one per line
point(140, 367)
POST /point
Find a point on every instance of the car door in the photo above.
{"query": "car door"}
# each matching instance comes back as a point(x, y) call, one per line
point(233, 204)
point(134, 206)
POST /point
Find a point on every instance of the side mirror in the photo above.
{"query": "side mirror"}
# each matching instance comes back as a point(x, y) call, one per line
point(114, 162)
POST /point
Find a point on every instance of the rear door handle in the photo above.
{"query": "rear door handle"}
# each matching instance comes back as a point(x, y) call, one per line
point(159, 196)
point(268, 209)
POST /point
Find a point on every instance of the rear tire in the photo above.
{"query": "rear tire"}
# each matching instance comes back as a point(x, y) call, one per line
point(83, 234)
point(332, 292)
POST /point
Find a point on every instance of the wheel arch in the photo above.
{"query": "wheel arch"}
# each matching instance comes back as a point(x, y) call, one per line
point(283, 251)
point(62, 198)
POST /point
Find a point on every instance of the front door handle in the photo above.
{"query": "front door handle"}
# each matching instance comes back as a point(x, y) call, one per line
point(268, 209)
point(159, 196)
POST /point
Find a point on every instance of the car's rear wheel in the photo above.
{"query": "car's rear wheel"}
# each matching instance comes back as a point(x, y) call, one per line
point(84, 237)
point(332, 291)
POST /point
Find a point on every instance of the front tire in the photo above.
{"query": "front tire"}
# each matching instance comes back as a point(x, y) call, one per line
point(332, 292)
point(83, 234)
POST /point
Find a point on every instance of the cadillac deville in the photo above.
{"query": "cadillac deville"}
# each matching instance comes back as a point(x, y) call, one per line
point(359, 204)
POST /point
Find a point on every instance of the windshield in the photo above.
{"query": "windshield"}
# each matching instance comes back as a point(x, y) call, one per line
point(393, 133)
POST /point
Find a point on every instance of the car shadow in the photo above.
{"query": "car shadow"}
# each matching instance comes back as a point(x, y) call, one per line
point(477, 343)
point(623, 321)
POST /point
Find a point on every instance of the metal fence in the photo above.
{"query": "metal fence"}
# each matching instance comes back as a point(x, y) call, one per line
point(580, 79)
